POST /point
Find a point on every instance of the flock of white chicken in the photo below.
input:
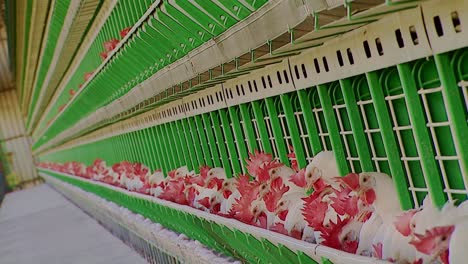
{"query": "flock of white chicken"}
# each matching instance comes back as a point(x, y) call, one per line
point(177, 245)
point(357, 213)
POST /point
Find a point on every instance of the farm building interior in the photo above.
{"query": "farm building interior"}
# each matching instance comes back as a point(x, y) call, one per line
point(233, 131)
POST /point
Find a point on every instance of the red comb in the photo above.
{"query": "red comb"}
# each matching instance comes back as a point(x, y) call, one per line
point(264, 171)
point(255, 160)
point(426, 243)
point(204, 171)
point(103, 55)
point(314, 212)
point(241, 209)
point(351, 181)
point(330, 235)
point(299, 178)
point(88, 75)
point(272, 198)
point(111, 44)
point(124, 32)
point(402, 222)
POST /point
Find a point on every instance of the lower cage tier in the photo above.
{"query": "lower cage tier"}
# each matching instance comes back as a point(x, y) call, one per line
point(152, 241)
point(245, 243)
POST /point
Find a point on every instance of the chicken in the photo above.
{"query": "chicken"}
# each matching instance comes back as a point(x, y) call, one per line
point(294, 222)
point(181, 172)
point(157, 183)
point(323, 166)
point(368, 232)
point(103, 55)
point(458, 242)
point(377, 189)
point(226, 204)
point(436, 241)
point(88, 75)
point(208, 199)
point(256, 160)
point(111, 45)
point(124, 32)
point(357, 213)
point(342, 235)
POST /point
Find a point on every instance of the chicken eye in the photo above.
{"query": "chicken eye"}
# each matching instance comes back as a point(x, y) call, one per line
point(309, 175)
point(281, 204)
point(211, 173)
point(443, 238)
point(225, 184)
point(365, 179)
point(346, 238)
point(273, 171)
point(263, 187)
point(255, 211)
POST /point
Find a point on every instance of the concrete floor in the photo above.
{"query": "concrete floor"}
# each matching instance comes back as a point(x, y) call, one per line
point(38, 225)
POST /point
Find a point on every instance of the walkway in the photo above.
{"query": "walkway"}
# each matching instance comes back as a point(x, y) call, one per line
point(40, 226)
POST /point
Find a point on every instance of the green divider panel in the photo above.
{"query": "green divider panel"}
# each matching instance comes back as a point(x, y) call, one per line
point(185, 145)
point(335, 137)
point(293, 129)
point(310, 121)
point(277, 131)
point(204, 141)
point(211, 140)
point(220, 143)
point(262, 129)
point(248, 128)
point(229, 141)
point(239, 134)
point(421, 134)
point(361, 143)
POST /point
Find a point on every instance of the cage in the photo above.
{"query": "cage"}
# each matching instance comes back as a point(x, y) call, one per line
point(382, 84)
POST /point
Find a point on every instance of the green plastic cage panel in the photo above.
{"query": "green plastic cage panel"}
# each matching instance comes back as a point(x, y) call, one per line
point(123, 15)
point(123, 72)
point(57, 19)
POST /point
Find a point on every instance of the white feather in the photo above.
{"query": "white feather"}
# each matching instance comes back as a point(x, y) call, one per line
point(368, 232)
